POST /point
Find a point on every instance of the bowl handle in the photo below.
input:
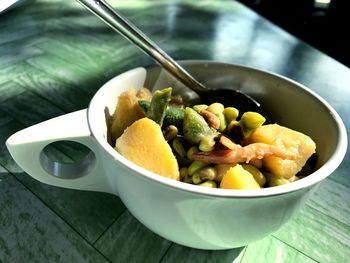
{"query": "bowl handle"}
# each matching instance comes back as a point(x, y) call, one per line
point(27, 149)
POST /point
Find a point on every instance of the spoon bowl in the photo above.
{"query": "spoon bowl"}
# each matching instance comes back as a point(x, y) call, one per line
point(229, 97)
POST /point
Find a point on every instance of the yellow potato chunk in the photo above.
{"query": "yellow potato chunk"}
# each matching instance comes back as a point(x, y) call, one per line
point(143, 143)
point(238, 178)
point(296, 142)
point(127, 110)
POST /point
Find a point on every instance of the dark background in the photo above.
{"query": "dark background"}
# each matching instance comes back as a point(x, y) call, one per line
point(324, 26)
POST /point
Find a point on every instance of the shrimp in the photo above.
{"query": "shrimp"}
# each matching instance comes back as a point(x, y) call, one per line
point(243, 154)
point(226, 143)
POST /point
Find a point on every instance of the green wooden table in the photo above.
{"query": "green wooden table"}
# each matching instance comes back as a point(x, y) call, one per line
point(54, 55)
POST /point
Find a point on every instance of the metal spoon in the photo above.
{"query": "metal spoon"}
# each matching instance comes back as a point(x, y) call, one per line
point(229, 97)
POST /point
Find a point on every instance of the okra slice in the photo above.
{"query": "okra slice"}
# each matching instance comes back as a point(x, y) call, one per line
point(173, 115)
point(158, 105)
point(195, 128)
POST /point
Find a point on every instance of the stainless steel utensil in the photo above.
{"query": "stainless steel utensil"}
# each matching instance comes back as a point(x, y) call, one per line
point(226, 96)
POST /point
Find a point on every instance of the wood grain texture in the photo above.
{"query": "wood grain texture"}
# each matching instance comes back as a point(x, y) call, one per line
point(273, 250)
point(321, 237)
point(54, 55)
point(178, 253)
point(127, 240)
point(32, 233)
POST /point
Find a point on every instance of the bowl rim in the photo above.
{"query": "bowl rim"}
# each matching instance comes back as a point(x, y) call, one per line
point(319, 175)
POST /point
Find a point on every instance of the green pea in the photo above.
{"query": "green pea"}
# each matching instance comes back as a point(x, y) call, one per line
point(183, 172)
point(200, 107)
point(274, 180)
point(216, 108)
point(196, 179)
point(187, 179)
point(178, 147)
point(206, 173)
point(223, 122)
point(210, 184)
point(195, 166)
point(251, 120)
point(191, 151)
point(230, 114)
point(207, 144)
point(170, 132)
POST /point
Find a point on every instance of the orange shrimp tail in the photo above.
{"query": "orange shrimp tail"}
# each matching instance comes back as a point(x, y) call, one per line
point(219, 157)
point(244, 154)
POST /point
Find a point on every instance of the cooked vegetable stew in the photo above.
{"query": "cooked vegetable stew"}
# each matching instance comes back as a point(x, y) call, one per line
point(207, 145)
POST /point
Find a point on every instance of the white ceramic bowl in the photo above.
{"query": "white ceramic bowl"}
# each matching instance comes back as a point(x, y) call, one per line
point(186, 214)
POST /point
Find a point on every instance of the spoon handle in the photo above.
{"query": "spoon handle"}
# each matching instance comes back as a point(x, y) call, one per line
point(107, 14)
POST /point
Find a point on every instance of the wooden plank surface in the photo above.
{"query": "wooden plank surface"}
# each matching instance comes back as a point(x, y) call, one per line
point(54, 55)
